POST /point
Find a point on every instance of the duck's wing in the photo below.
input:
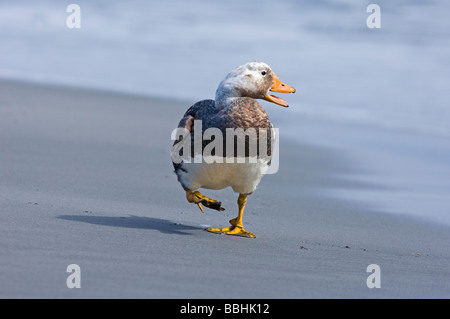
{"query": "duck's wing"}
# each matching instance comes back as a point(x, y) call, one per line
point(203, 111)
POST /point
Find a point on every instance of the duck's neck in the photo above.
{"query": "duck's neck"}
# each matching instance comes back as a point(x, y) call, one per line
point(225, 95)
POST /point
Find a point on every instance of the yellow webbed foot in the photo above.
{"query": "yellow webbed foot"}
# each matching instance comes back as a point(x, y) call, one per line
point(198, 198)
point(234, 229)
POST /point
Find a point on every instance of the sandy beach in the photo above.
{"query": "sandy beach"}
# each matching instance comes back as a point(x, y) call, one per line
point(86, 179)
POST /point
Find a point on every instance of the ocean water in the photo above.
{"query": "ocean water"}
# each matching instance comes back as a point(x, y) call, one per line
point(378, 92)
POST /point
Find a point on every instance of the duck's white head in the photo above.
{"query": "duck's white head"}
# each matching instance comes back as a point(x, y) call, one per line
point(254, 80)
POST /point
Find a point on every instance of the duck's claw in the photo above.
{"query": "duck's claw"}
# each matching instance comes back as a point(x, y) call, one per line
point(198, 198)
point(213, 204)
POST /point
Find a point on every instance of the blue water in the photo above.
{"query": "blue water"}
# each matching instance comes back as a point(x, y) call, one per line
point(392, 83)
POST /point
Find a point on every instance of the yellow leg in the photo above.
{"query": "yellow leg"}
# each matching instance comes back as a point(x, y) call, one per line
point(236, 228)
point(198, 198)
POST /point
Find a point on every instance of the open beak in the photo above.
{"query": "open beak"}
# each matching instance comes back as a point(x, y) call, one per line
point(279, 87)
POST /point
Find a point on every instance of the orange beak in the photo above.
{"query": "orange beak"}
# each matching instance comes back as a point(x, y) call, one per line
point(279, 87)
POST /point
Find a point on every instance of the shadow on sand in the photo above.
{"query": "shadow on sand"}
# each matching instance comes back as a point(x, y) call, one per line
point(162, 225)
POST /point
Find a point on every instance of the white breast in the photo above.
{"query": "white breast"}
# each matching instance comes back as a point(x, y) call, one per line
point(217, 173)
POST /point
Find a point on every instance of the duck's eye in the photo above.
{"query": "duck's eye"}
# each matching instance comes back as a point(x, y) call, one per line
point(263, 73)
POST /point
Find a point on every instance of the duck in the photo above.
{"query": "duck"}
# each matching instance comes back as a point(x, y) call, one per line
point(238, 122)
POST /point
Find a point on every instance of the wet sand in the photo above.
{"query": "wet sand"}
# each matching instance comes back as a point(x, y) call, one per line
point(86, 179)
